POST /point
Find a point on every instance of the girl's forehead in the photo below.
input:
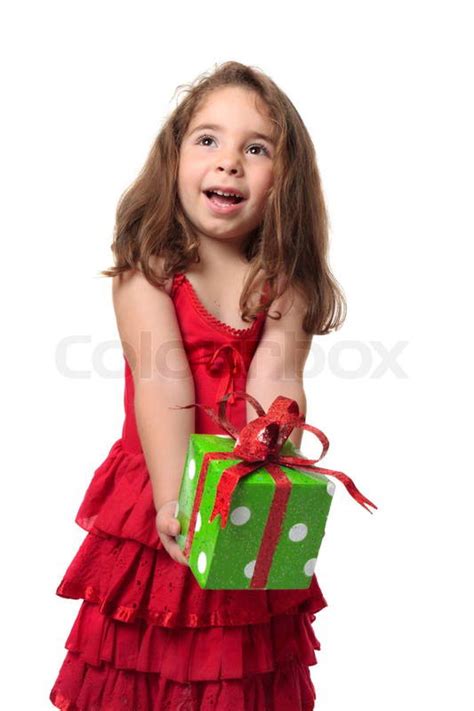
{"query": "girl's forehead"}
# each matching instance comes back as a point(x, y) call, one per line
point(229, 107)
point(232, 96)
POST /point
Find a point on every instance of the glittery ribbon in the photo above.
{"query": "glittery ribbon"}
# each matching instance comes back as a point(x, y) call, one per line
point(258, 445)
point(228, 358)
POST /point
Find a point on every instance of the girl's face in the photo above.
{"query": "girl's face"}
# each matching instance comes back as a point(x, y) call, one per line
point(228, 147)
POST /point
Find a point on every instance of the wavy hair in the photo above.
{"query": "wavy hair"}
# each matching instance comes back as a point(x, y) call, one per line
point(290, 244)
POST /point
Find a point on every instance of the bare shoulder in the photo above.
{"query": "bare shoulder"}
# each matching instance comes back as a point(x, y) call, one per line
point(157, 265)
point(133, 287)
point(291, 304)
point(146, 319)
point(284, 345)
point(134, 274)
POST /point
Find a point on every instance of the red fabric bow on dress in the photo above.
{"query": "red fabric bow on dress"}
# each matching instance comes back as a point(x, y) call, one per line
point(258, 445)
point(229, 359)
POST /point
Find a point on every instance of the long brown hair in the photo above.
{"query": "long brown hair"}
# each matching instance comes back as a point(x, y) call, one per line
point(291, 243)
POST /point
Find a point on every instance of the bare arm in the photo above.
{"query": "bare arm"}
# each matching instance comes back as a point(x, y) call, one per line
point(164, 434)
point(152, 344)
point(278, 363)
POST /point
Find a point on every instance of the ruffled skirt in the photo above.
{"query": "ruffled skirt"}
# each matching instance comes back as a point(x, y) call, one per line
point(148, 638)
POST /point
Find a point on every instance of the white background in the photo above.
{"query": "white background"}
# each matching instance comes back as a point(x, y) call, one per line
point(385, 90)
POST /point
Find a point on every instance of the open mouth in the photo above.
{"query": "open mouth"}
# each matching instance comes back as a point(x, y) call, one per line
point(223, 199)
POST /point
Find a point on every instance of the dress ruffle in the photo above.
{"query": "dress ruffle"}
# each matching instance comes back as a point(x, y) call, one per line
point(211, 653)
point(105, 688)
point(141, 666)
point(147, 637)
point(119, 499)
point(120, 576)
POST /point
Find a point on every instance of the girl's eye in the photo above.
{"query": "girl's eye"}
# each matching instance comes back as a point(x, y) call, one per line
point(254, 145)
point(260, 145)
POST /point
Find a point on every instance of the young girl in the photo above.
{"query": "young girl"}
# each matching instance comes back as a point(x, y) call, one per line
point(225, 222)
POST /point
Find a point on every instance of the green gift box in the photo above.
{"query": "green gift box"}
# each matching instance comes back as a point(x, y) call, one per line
point(225, 558)
point(252, 509)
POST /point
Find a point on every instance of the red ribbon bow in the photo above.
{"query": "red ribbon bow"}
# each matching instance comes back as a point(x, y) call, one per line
point(228, 358)
point(258, 444)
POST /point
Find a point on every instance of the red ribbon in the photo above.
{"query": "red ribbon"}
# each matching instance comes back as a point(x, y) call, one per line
point(228, 358)
point(258, 444)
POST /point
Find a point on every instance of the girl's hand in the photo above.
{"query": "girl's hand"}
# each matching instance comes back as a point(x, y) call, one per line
point(168, 527)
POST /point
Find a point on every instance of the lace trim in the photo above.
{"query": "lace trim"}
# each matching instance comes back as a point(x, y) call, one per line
point(213, 320)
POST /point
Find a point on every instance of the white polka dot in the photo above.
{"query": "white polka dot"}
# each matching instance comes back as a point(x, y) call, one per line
point(309, 566)
point(240, 515)
point(192, 468)
point(298, 532)
point(202, 562)
point(176, 511)
point(249, 568)
point(198, 521)
point(331, 487)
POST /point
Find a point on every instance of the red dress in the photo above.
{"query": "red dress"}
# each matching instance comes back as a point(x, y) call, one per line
point(147, 637)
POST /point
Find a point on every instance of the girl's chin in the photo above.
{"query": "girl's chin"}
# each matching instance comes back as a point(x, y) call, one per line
point(210, 229)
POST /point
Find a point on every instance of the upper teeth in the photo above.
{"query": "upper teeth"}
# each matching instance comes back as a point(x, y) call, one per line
point(219, 192)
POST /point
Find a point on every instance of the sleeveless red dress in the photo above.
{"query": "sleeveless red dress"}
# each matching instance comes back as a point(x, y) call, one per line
point(147, 637)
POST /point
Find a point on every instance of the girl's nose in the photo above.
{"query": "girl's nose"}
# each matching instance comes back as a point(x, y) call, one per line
point(229, 165)
point(229, 170)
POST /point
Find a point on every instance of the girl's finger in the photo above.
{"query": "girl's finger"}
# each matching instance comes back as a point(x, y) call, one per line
point(173, 549)
point(177, 554)
point(173, 527)
point(170, 526)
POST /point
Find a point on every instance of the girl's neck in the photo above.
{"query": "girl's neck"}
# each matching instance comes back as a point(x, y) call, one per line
point(219, 254)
